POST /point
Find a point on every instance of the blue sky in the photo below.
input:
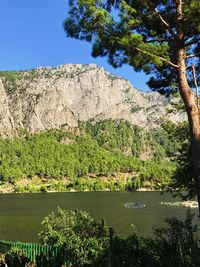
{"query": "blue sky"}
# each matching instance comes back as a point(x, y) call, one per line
point(32, 35)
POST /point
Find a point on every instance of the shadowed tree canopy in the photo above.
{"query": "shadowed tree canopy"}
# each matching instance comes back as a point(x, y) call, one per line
point(160, 37)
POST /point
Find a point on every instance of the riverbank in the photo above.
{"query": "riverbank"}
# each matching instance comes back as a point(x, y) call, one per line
point(124, 182)
point(186, 204)
point(102, 184)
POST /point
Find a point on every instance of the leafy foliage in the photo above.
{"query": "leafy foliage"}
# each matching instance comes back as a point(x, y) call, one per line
point(175, 244)
point(133, 251)
point(81, 239)
point(16, 257)
point(183, 176)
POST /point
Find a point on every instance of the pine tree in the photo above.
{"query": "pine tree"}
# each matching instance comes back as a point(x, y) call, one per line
point(160, 37)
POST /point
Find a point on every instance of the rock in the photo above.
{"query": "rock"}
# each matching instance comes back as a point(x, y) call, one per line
point(60, 97)
point(7, 125)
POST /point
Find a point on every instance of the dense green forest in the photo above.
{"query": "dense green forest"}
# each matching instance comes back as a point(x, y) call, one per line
point(80, 159)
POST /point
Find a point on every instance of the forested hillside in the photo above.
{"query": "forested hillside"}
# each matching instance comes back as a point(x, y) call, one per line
point(94, 156)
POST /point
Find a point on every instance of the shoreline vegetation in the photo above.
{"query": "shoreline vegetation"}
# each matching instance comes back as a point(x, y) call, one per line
point(36, 185)
point(96, 156)
point(125, 182)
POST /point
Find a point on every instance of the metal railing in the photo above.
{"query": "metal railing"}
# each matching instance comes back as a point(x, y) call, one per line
point(31, 250)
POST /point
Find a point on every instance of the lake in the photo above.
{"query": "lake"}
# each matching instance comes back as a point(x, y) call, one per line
point(21, 214)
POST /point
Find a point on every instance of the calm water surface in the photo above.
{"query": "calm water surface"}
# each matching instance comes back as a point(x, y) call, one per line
point(21, 214)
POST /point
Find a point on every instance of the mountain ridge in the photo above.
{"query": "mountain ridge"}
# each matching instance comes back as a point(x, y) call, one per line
point(59, 97)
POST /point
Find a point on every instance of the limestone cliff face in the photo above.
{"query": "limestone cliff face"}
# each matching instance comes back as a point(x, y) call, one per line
point(59, 97)
point(7, 127)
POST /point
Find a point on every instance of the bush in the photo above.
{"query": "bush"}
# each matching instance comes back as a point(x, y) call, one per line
point(81, 239)
point(177, 244)
point(16, 258)
point(83, 242)
point(133, 251)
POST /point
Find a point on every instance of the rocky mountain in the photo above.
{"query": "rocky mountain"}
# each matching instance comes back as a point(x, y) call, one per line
point(59, 97)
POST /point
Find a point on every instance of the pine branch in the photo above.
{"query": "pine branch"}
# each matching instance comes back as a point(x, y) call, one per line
point(194, 40)
point(154, 55)
point(158, 40)
point(135, 47)
point(195, 82)
point(164, 22)
point(193, 55)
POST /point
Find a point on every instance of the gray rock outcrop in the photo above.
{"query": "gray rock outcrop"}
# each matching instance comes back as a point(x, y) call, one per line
point(59, 97)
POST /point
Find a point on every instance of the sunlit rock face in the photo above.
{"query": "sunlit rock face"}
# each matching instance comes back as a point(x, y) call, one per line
point(60, 97)
point(7, 127)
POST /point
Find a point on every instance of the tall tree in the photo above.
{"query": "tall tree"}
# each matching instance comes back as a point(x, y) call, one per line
point(160, 37)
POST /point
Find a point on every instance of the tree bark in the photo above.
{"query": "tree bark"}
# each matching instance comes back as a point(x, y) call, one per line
point(189, 100)
point(194, 123)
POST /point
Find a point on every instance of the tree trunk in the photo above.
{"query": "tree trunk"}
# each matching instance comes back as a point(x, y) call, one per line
point(194, 127)
point(193, 117)
point(188, 98)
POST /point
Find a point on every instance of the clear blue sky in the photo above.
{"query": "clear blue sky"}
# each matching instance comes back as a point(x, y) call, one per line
point(32, 35)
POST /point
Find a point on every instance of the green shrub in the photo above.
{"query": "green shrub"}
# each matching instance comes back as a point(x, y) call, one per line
point(178, 244)
point(79, 237)
point(16, 258)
